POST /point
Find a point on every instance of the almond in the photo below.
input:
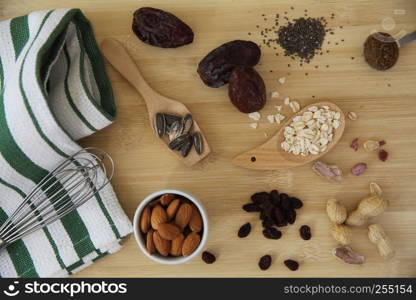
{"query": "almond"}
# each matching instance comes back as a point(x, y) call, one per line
point(145, 219)
point(158, 216)
point(183, 216)
point(168, 231)
point(196, 220)
point(162, 245)
point(173, 208)
point(166, 199)
point(176, 248)
point(153, 203)
point(190, 243)
point(150, 245)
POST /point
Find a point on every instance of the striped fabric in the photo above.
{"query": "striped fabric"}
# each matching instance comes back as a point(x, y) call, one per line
point(53, 91)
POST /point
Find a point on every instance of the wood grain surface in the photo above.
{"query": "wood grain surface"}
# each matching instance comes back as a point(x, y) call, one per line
point(384, 101)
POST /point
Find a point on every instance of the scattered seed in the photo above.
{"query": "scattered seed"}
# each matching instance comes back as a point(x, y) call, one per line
point(175, 130)
point(197, 141)
point(186, 147)
point(187, 123)
point(160, 124)
point(208, 257)
point(244, 230)
point(170, 119)
point(265, 262)
point(177, 143)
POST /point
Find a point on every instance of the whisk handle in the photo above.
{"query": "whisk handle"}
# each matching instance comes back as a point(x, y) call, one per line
point(3, 244)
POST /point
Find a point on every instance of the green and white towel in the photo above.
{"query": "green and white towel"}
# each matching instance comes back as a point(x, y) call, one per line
point(53, 91)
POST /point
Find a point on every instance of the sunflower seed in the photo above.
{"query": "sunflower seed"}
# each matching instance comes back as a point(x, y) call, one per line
point(175, 130)
point(178, 142)
point(197, 141)
point(170, 119)
point(187, 123)
point(187, 146)
point(160, 124)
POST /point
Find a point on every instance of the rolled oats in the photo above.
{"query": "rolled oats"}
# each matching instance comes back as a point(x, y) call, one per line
point(275, 94)
point(352, 116)
point(286, 101)
point(294, 105)
point(254, 125)
point(255, 116)
point(271, 118)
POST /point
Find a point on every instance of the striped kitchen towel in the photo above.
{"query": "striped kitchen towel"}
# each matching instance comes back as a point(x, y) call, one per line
point(53, 91)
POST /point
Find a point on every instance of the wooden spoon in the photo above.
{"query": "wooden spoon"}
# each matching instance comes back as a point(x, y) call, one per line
point(117, 55)
point(271, 156)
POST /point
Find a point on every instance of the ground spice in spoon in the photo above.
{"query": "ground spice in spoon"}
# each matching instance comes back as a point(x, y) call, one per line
point(381, 51)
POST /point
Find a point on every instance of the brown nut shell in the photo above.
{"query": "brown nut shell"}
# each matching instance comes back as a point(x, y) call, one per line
point(183, 216)
point(341, 233)
point(168, 231)
point(162, 245)
point(173, 208)
point(158, 216)
point(190, 243)
point(145, 219)
point(337, 212)
point(176, 248)
point(196, 220)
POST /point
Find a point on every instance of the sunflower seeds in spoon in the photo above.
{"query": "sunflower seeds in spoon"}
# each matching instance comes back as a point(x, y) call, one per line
point(197, 141)
point(186, 147)
point(177, 143)
point(170, 119)
point(160, 124)
point(187, 123)
point(175, 130)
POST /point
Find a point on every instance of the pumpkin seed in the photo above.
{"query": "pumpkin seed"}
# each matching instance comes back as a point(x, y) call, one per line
point(170, 119)
point(186, 146)
point(177, 143)
point(187, 123)
point(160, 124)
point(175, 130)
point(197, 141)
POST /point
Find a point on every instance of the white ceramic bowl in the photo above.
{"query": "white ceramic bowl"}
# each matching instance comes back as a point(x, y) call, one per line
point(142, 243)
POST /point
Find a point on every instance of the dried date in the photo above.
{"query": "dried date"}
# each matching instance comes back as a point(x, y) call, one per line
point(215, 68)
point(160, 28)
point(247, 90)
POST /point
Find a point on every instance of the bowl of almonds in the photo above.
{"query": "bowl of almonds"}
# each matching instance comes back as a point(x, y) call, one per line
point(170, 227)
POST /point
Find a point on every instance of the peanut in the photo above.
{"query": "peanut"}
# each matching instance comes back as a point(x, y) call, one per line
point(378, 236)
point(341, 233)
point(337, 212)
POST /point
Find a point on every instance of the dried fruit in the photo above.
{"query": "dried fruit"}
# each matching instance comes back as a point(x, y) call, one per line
point(160, 124)
point(247, 90)
point(272, 233)
point(158, 216)
point(268, 222)
point(275, 197)
point(265, 262)
point(176, 248)
point(163, 246)
point(173, 208)
point(244, 230)
point(196, 220)
point(382, 143)
point(359, 169)
point(186, 147)
point(291, 264)
point(285, 202)
point(330, 172)
point(183, 216)
point(208, 257)
point(215, 68)
point(279, 217)
point(150, 245)
point(166, 199)
point(383, 154)
point(197, 142)
point(296, 203)
point(260, 198)
point(347, 255)
point(290, 216)
point(168, 231)
point(354, 144)
point(305, 232)
point(190, 243)
point(371, 145)
point(341, 233)
point(337, 212)
point(251, 207)
point(378, 236)
point(145, 219)
point(161, 28)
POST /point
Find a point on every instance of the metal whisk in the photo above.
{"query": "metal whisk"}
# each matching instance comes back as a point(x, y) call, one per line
point(76, 180)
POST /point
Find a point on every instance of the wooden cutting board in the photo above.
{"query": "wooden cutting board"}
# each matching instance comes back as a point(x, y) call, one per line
point(385, 103)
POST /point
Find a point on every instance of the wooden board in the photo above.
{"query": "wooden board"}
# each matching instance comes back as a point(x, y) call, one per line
point(385, 103)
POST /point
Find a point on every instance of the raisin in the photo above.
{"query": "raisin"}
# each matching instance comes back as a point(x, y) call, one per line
point(296, 203)
point(283, 196)
point(244, 230)
point(265, 262)
point(274, 196)
point(160, 28)
point(290, 216)
point(279, 217)
point(208, 257)
point(251, 207)
point(285, 203)
point(291, 264)
point(215, 68)
point(272, 233)
point(305, 232)
point(382, 155)
point(268, 222)
point(260, 198)
point(247, 90)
